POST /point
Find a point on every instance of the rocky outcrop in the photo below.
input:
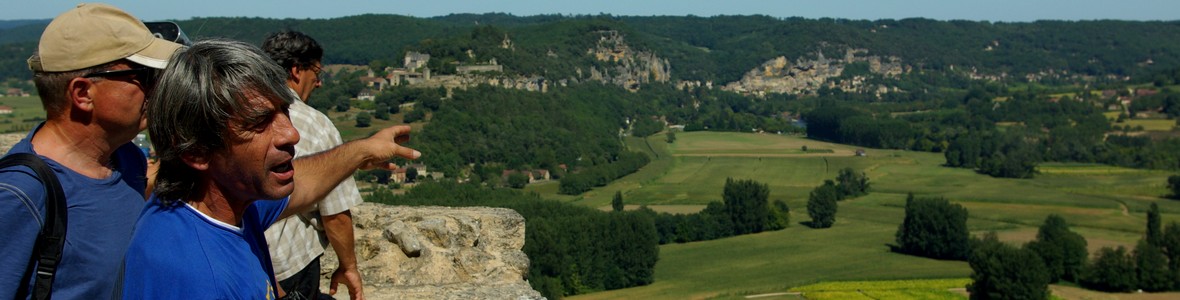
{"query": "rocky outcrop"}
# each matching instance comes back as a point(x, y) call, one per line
point(631, 68)
point(8, 140)
point(806, 76)
point(438, 253)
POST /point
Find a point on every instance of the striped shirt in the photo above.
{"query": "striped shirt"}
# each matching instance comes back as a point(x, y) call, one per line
point(298, 239)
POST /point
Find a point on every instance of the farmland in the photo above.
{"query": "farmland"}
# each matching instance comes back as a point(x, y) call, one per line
point(1105, 204)
point(27, 112)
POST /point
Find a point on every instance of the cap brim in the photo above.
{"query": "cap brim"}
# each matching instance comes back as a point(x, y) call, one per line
point(156, 54)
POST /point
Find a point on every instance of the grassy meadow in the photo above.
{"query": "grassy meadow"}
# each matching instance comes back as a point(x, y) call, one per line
point(1151, 124)
point(24, 108)
point(1105, 204)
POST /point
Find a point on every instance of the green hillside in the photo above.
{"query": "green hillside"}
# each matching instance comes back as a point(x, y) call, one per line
point(718, 49)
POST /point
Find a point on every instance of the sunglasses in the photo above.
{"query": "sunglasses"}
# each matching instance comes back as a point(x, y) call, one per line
point(144, 75)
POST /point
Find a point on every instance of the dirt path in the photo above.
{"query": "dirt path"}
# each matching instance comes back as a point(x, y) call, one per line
point(1126, 213)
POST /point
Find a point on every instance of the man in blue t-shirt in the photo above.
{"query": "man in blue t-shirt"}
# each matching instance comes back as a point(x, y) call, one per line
point(226, 145)
point(92, 68)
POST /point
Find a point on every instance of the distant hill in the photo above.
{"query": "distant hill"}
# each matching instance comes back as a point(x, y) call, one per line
point(6, 24)
point(717, 49)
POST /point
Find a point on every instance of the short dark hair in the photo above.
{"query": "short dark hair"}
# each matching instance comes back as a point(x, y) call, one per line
point(204, 87)
point(292, 49)
point(53, 87)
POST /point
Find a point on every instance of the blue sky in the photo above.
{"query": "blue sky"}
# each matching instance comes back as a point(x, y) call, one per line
point(989, 10)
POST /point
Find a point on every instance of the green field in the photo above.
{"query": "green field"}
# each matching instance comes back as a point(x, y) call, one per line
point(1105, 204)
point(926, 289)
point(24, 108)
point(1151, 124)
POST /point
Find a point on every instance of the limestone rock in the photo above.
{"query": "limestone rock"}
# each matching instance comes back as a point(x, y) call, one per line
point(438, 253)
point(808, 75)
point(631, 68)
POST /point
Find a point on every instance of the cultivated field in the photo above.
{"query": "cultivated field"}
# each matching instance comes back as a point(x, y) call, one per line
point(24, 108)
point(1105, 204)
point(1151, 124)
point(926, 289)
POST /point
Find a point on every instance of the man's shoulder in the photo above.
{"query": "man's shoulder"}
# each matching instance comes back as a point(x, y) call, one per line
point(302, 110)
point(21, 183)
point(158, 219)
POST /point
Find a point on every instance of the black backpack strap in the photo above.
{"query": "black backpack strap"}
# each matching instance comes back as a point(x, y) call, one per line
point(52, 237)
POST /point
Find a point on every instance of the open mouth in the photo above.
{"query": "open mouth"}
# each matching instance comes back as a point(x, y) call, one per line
point(283, 167)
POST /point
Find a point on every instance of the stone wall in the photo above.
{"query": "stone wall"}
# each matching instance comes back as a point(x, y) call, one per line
point(438, 253)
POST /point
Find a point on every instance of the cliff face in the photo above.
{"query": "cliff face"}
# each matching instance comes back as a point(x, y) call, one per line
point(438, 253)
point(631, 68)
point(806, 76)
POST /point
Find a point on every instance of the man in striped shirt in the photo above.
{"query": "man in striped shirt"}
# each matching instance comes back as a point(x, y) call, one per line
point(297, 242)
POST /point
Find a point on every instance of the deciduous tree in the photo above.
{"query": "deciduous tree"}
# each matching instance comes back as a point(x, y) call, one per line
point(1151, 267)
point(1001, 271)
point(616, 203)
point(1112, 270)
point(821, 205)
point(1174, 183)
point(933, 227)
point(1063, 251)
point(1154, 231)
point(363, 119)
point(852, 184)
point(746, 204)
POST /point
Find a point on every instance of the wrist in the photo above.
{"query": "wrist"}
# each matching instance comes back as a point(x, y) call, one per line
point(346, 267)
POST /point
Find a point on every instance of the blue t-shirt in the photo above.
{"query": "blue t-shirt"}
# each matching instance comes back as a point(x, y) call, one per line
point(101, 214)
point(180, 253)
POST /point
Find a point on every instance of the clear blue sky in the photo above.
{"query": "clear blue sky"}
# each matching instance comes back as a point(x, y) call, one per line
point(989, 10)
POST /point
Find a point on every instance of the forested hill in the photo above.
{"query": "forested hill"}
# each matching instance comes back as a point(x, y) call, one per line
point(718, 49)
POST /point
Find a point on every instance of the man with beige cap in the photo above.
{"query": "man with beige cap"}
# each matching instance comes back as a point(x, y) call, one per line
point(94, 65)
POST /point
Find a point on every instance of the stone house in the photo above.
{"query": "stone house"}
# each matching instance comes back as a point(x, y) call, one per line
point(378, 83)
point(534, 175)
point(399, 175)
point(16, 92)
point(367, 95)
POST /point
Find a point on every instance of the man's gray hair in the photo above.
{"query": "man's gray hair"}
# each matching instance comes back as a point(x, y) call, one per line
point(204, 87)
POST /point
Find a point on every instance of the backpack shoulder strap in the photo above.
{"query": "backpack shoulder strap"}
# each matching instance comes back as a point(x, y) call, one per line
point(52, 237)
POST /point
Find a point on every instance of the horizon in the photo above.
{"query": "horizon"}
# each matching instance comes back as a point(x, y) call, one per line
point(971, 10)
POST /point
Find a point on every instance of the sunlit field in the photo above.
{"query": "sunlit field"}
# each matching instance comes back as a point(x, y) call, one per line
point(1105, 204)
point(1151, 124)
point(25, 109)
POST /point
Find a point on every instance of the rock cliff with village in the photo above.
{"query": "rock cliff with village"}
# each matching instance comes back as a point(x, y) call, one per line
point(630, 68)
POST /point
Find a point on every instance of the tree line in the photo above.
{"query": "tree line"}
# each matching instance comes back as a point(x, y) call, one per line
point(576, 126)
point(745, 208)
point(821, 202)
point(600, 175)
point(717, 49)
point(937, 228)
point(572, 249)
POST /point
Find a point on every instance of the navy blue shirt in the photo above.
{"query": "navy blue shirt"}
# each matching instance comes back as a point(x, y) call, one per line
point(101, 214)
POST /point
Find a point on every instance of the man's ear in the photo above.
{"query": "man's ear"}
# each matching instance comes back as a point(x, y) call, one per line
point(80, 94)
point(196, 161)
point(293, 73)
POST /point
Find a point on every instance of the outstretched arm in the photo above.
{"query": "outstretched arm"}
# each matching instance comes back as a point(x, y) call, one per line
point(318, 174)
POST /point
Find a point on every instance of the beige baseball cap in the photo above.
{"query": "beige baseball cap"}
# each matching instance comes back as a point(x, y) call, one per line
point(92, 34)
